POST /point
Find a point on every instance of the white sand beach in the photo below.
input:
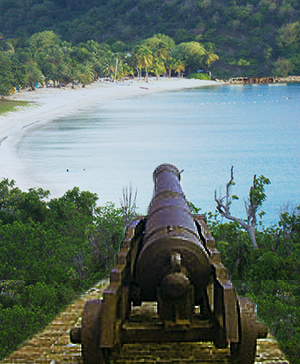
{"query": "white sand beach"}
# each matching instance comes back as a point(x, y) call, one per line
point(50, 103)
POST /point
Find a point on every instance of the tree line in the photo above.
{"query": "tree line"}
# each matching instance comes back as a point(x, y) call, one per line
point(46, 58)
point(252, 38)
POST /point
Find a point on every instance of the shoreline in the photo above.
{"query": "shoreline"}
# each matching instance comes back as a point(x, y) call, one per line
point(47, 104)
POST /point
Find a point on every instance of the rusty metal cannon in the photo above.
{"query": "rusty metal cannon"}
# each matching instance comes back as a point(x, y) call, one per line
point(168, 259)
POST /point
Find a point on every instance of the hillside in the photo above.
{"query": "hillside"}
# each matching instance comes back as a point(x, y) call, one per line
point(251, 38)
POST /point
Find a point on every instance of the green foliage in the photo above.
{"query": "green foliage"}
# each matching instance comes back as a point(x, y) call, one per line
point(45, 58)
point(199, 76)
point(241, 62)
point(160, 45)
point(193, 208)
point(257, 193)
point(105, 236)
point(44, 39)
point(260, 32)
point(209, 56)
point(7, 105)
point(17, 324)
point(50, 252)
point(282, 67)
point(270, 275)
point(144, 58)
point(6, 75)
point(34, 74)
point(158, 67)
point(191, 53)
point(289, 36)
point(19, 71)
point(256, 197)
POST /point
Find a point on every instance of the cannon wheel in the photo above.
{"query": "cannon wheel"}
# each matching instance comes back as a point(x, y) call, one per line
point(91, 333)
point(244, 351)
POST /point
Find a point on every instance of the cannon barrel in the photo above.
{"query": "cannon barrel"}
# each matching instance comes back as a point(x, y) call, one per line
point(170, 234)
point(169, 259)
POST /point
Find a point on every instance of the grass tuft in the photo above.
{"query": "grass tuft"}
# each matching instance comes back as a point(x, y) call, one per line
point(10, 105)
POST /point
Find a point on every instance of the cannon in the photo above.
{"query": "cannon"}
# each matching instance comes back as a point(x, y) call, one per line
point(168, 261)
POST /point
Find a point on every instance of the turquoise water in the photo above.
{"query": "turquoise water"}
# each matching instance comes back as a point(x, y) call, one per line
point(203, 131)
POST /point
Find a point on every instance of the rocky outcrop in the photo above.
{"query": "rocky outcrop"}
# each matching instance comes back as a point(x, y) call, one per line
point(289, 79)
point(253, 80)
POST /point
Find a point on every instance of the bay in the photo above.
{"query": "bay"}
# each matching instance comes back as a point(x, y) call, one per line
point(255, 128)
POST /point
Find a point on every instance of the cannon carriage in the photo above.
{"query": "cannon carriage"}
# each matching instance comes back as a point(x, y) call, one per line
point(169, 262)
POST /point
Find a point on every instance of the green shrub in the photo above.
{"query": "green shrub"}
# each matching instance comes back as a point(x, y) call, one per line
point(199, 76)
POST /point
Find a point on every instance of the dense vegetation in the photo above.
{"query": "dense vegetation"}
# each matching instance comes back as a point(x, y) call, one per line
point(252, 38)
point(263, 264)
point(46, 58)
point(268, 275)
point(52, 250)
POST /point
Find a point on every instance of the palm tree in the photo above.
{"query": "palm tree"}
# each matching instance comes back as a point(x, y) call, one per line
point(64, 73)
point(160, 45)
point(74, 74)
point(34, 74)
point(179, 67)
point(54, 54)
point(109, 66)
point(58, 74)
point(144, 58)
point(158, 67)
point(66, 50)
point(51, 73)
point(50, 59)
point(134, 62)
point(209, 56)
point(7, 48)
point(44, 39)
point(85, 73)
point(191, 53)
point(124, 70)
point(128, 71)
point(97, 65)
point(170, 65)
point(162, 50)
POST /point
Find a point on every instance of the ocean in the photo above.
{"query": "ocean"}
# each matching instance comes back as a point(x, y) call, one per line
point(203, 131)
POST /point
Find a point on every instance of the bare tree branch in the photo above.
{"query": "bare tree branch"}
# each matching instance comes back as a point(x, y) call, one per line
point(128, 203)
point(251, 208)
